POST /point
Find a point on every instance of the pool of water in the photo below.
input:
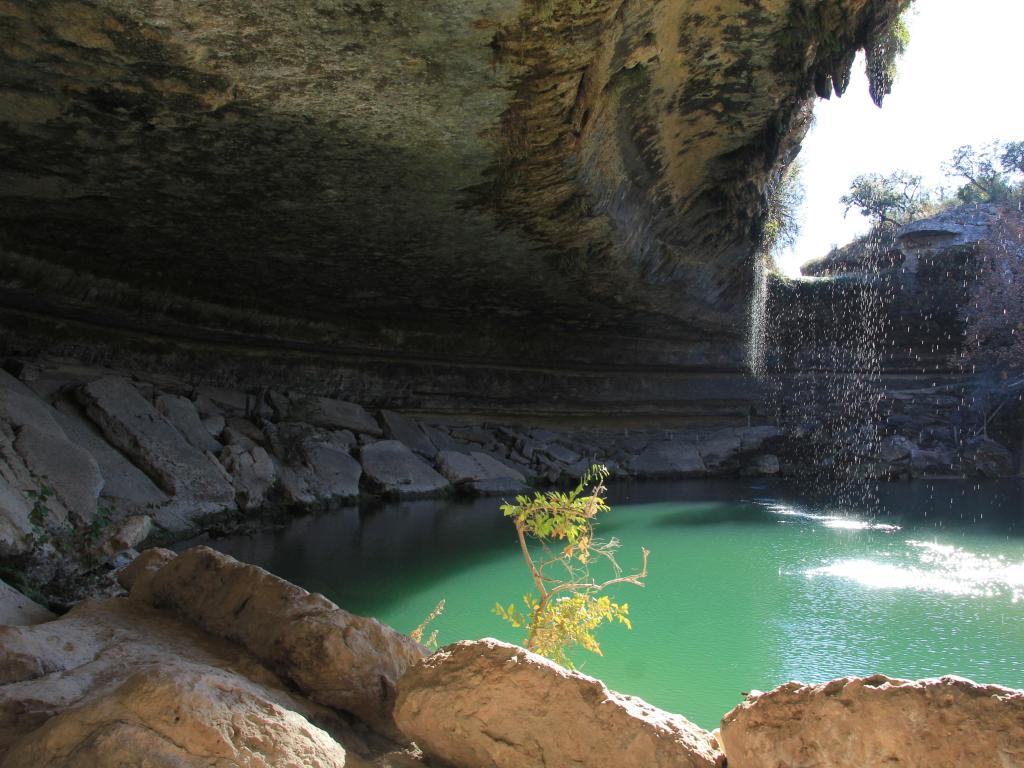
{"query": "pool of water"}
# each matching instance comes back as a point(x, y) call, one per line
point(751, 583)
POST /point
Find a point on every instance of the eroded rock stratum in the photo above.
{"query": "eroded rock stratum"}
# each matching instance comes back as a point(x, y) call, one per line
point(573, 181)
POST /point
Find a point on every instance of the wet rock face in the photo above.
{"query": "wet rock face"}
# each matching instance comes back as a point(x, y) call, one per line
point(377, 175)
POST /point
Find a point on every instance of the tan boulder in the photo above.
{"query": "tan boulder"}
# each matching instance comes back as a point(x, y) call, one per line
point(855, 722)
point(144, 566)
point(180, 715)
point(116, 683)
point(336, 658)
point(488, 703)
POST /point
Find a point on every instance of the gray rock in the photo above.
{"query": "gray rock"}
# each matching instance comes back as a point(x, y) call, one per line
point(479, 473)
point(934, 461)
point(15, 528)
point(764, 466)
point(20, 410)
point(253, 474)
point(16, 610)
point(560, 453)
point(407, 431)
point(316, 466)
point(181, 412)
point(474, 434)
point(719, 447)
point(529, 448)
point(668, 459)
point(133, 425)
point(391, 469)
point(753, 438)
point(123, 482)
point(70, 471)
point(579, 469)
point(331, 414)
point(214, 425)
point(237, 439)
point(212, 401)
point(987, 458)
point(333, 475)
point(896, 449)
point(245, 427)
point(441, 440)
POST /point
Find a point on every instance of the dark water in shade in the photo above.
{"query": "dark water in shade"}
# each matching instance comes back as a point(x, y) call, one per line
point(751, 583)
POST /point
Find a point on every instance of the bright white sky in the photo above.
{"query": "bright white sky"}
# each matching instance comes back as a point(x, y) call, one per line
point(959, 83)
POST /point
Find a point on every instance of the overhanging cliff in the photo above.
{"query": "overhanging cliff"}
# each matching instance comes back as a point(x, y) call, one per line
point(563, 184)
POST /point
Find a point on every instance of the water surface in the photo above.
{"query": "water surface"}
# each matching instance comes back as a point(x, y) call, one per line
point(751, 583)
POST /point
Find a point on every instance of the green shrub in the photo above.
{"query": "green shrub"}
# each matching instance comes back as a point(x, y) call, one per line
point(567, 605)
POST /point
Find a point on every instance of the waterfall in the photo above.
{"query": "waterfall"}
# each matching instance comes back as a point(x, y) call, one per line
point(757, 343)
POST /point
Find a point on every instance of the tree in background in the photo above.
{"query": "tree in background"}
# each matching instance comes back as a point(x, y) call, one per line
point(889, 201)
point(785, 195)
point(567, 605)
point(992, 171)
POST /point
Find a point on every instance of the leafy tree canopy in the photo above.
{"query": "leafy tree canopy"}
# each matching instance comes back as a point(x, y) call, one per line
point(892, 199)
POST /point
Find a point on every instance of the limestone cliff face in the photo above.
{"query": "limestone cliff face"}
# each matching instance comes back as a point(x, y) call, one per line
point(544, 181)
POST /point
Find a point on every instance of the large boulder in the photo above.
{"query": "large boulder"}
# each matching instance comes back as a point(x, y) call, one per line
point(15, 527)
point(987, 458)
point(327, 413)
point(253, 474)
point(668, 459)
point(720, 446)
point(336, 658)
point(479, 473)
point(182, 413)
point(317, 465)
point(218, 719)
point(408, 431)
point(488, 703)
point(855, 722)
point(115, 683)
point(391, 469)
point(70, 471)
point(133, 425)
point(753, 438)
point(16, 609)
point(124, 484)
point(38, 453)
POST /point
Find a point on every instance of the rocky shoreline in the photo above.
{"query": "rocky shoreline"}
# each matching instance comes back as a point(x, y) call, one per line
point(97, 462)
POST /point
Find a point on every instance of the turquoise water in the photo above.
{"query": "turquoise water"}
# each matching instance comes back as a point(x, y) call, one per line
point(751, 583)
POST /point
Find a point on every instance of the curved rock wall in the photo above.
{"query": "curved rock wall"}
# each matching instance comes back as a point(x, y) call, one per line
point(522, 182)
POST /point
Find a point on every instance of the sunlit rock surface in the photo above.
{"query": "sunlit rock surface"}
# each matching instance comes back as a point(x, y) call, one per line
point(348, 662)
point(855, 722)
point(487, 702)
point(117, 683)
point(402, 191)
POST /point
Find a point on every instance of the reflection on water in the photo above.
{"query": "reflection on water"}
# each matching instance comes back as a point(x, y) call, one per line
point(936, 568)
point(844, 523)
point(752, 583)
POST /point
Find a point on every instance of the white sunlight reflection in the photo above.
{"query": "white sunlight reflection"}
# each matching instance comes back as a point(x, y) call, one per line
point(834, 521)
point(936, 568)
